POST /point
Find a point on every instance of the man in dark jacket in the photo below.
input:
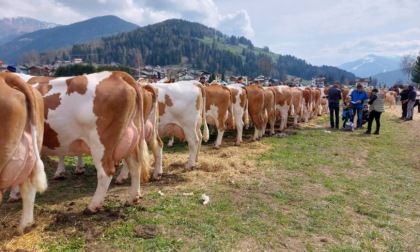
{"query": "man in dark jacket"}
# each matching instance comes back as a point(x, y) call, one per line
point(410, 104)
point(334, 97)
point(404, 100)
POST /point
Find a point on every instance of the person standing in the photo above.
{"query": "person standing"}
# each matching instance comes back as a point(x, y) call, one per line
point(404, 101)
point(241, 81)
point(10, 69)
point(334, 97)
point(376, 102)
point(202, 80)
point(410, 102)
point(358, 98)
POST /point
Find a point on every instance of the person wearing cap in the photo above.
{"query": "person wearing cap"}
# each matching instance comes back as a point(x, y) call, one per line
point(411, 100)
point(334, 97)
point(376, 102)
point(154, 79)
point(202, 80)
point(358, 98)
point(241, 81)
point(11, 69)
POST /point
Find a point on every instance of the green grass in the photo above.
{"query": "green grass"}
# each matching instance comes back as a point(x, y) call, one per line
point(312, 191)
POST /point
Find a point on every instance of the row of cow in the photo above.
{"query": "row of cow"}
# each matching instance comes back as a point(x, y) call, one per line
point(112, 117)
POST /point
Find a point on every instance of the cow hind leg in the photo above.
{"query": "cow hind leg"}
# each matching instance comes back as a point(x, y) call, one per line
point(101, 188)
point(156, 147)
point(80, 166)
point(28, 192)
point(123, 176)
point(194, 144)
point(60, 173)
point(14, 194)
point(134, 167)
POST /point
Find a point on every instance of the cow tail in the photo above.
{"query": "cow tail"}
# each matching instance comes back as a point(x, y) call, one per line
point(206, 134)
point(154, 112)
point(143, 154)
point(246, 116)
point(41, 177)
point(231, 121)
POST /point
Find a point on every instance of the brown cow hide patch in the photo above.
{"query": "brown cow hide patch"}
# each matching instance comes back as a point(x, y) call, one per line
point(77, 84)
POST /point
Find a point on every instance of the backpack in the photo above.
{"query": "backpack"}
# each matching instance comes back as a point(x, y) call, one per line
point(348, 126)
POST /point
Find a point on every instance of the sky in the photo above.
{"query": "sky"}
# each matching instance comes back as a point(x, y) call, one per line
point(322, 32)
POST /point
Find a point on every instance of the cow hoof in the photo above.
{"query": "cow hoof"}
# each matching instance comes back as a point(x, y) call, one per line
point(119, 181)
point(158, 177)
point(15, 198)
point(60, 176)
point(87, 211)
point(80, 171)
point(216, 147)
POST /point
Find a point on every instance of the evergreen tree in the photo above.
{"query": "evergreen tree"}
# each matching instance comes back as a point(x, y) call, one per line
point(415, 74)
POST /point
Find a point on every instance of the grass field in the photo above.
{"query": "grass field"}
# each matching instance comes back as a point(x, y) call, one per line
point(310, 189)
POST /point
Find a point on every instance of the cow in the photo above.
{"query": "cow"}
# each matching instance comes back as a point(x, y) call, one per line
point(239, 116)
point(21, 134)
point(307, 103)
point(283, 96)
point(296, 107)
point(316, 102)
point(150, 110)
point(256, 109)
point(181, 113)
point(323, 106)
point(391, 97)
point(100, 114)
point(218, 105)
point(270, 108)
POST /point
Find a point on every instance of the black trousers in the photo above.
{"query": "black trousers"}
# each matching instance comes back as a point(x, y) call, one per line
point(377, 116)
point(404, 110)
point(418, 105)
point(334, 111)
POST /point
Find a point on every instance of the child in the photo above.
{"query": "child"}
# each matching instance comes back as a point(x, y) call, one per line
point(365, 114)
point(347, 115)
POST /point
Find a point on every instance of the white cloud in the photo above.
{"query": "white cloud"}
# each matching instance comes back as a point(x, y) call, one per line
point(238, 24)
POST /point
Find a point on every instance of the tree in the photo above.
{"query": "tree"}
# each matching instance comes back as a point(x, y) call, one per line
point(266, 65)
point(407, 64)
point(415, 73)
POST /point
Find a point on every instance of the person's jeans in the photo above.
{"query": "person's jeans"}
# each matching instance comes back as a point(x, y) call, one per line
point(359, 113)
point(410, 109)
point(334, 111)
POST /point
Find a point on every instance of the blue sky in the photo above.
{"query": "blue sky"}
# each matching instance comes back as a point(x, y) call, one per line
point(323, 32)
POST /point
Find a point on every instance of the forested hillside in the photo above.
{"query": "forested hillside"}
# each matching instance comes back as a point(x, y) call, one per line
point(179, 42)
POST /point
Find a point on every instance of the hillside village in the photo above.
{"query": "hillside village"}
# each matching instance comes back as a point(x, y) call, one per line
point(178, 73)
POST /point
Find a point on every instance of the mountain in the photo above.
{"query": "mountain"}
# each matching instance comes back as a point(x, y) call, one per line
point(180, 42)
point(11, 28)
point(64, 36)
point(371, 65)
point(391, 77)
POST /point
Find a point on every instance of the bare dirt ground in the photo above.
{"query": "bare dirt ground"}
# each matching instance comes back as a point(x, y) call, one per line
point(227, 165)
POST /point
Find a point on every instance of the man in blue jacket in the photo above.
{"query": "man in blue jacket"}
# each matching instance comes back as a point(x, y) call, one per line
point(358, 98)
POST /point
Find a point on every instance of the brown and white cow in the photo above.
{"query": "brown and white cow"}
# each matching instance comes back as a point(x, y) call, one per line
point(21, 134)
point(150, 110)
point(390, 97)
point(283, 103)
point(240, 116)
point(256, 100)
point(307, 103)
point(218, 105)
point(270, 108)
point(100, 114)
point(181, 110)
point(296, 108)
